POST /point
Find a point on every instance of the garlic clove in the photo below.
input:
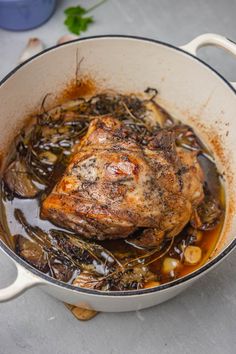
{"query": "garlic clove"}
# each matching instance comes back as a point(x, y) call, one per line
point(169, 265)
point(192, 255)
point(83, 314)
point(67, 38)
point(151, 284)
point(80, 313)
point(33, 47)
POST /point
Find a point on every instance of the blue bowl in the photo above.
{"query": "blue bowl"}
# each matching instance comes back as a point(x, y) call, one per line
point(21, 15)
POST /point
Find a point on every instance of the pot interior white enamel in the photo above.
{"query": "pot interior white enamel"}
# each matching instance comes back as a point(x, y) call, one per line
point(189, 90)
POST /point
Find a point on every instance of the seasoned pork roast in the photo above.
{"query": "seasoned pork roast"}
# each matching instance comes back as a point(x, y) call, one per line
point(113, 185)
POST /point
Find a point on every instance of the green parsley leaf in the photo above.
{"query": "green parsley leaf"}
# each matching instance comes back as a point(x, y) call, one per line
point(75, 20)
point(75, 11)
point(77, 24)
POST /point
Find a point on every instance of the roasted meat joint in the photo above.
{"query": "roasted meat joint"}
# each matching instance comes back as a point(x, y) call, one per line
point(110, 192)
point(115, 185)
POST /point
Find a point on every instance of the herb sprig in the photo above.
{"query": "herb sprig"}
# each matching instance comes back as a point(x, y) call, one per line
point(76, 19)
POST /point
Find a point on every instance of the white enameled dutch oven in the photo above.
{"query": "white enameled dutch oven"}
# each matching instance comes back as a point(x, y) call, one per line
point(189, 89)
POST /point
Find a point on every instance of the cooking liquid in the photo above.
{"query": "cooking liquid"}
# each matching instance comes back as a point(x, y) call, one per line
point(120, 249)
point(31, 210)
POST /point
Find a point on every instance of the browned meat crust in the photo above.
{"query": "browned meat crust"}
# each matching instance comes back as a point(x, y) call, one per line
point(113, 185)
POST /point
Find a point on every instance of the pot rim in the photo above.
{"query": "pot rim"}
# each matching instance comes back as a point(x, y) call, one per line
point(125, 293)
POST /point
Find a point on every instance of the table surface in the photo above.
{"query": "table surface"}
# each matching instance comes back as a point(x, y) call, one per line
point(203, 318)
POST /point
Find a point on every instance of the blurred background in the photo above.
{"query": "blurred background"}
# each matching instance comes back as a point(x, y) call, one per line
point(171, 21)
point(202, 319)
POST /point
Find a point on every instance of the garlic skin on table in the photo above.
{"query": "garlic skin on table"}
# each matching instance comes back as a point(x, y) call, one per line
point(33, 47)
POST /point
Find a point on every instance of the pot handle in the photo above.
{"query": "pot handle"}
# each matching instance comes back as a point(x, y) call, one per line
point(24, 281)
point(210, 39)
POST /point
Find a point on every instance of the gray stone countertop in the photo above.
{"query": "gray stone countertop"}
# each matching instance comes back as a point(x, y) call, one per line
point(200, 320)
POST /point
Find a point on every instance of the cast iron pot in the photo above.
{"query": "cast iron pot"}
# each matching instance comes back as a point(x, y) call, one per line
point(190, 90)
